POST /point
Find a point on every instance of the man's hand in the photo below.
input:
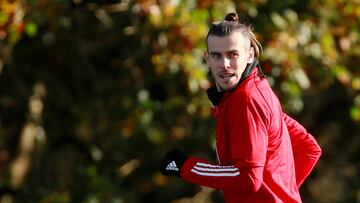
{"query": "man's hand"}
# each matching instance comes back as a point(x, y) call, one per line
point(172, 163)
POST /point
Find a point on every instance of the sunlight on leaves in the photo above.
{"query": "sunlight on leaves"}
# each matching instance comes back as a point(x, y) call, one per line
point(128, 167)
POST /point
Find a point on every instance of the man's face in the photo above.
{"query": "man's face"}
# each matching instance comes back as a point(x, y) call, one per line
point(227, 58)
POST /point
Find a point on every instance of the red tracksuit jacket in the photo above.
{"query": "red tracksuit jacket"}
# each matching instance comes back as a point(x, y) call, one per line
point(264, 155)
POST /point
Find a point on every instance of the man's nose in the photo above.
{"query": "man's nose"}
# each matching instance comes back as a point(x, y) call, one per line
point(225, 62)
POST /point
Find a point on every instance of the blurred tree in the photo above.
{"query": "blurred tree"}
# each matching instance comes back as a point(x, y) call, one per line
point(93, 93)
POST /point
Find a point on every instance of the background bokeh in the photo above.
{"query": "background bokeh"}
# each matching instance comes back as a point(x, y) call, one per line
point(93, 93)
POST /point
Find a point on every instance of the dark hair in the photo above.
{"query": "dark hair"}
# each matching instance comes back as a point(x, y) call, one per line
point(232, 24)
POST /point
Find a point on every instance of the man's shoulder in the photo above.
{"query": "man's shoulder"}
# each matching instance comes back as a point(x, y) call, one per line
point(255, 91)
point(253, 87)
point(246, 94)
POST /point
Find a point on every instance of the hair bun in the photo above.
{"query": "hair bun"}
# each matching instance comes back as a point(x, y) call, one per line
point(232, 17)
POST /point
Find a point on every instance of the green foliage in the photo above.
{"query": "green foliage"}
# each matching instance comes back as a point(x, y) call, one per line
point(107, 87)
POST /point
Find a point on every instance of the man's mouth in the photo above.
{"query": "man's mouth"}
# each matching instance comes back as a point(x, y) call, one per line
point(226, 76)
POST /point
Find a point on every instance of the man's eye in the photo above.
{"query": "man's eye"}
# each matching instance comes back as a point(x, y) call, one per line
point(234, 55)
point(215, 56)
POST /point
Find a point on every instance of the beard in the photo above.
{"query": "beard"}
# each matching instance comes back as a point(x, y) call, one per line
point(226, 81)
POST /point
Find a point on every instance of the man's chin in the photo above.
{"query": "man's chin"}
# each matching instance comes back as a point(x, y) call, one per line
point(227, 87)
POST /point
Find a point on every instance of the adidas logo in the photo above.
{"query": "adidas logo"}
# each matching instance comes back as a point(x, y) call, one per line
point(172, 166)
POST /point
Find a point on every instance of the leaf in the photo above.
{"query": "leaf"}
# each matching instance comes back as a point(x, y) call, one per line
point(31, 29)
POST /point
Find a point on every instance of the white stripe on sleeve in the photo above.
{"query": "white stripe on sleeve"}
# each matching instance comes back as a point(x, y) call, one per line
point(214, 170)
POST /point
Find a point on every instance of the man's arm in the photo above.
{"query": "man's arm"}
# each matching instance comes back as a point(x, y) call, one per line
point(305, 148)
point(240, 179)
point(200, 171)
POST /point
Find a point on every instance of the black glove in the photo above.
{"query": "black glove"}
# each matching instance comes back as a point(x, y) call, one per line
point(172, 163)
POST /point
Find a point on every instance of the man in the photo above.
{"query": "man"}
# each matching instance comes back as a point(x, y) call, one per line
point(263, 154)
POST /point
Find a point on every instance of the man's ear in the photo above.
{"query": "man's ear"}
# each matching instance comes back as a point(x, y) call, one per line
point(251, 56)
point(206, 56)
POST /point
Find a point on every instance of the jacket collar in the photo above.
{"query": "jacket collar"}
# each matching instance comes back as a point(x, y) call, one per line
point(215, 96)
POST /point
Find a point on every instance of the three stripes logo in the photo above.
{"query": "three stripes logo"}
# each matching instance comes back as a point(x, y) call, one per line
point(172, 166)
point(204, 169)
